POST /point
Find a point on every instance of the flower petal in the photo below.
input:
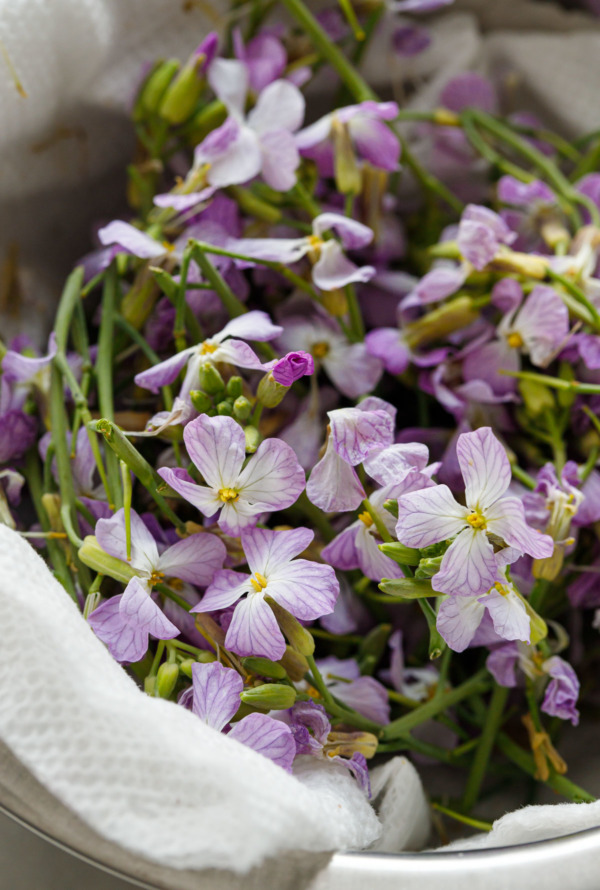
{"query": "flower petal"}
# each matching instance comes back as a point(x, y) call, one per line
point(333, 269)
point(334, 484)
point(266, 736)
point(484, 466)
point(428, 516)
point(507, 520)
point(375, 143)
point(342, 552)
point(280, 160)
point(239, 163)
point(110, 534)
point(165, 372)
point(218, 449)
point(267, 550)
point(352, 234)
point(458, 619)
point(509, 616)
point(355, 432)
point(225, 589)
point(352, 369)
point(204, 499)
point(255, 325)
point(131, 240)
point(216, 696)
point(229, 80)
point(468, 567)
point(280, 106)
point(387, 345)
point(273, 478)
point(305, 588)
point(254, 630)
point(195, 559)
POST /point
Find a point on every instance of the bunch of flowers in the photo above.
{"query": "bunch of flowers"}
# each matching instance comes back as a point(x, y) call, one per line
point(314, 444)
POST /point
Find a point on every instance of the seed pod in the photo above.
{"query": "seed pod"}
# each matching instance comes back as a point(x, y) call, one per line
point(265, 667)
point(270, 697)
point(269, 392)
point(166, 678)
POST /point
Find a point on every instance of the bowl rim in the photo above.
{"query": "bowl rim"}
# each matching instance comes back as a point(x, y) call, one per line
point(379, 861)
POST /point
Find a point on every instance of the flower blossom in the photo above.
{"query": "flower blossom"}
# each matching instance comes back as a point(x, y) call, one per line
point(431, 515)
point(222, 347)
point(17, 429)
point(481, 233)
point(125, 621)
point(332, 269)
point(364, 694)
point(215, 699)
point(292, 367)
point(271, 480)
point(306, 589)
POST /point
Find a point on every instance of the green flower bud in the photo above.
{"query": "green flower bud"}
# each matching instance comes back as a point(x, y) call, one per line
point(94, 557)
point(264, 667)
point(186, 667)
point(235, 387)
point(391, 506)
point(347, 171)
point(166, 679)
point(537, 398)
point(210, 379)
point(270, 393)
point(457, 313)
point(254, 206)
point(295, 664)
point(155, 87)
point(270, 697)
point(205, 120)
point(242, 408)
point(200, 401)
point(402, 555)
point(183, 93)
point(225, 409)
point(253, 439)
point(429, 567)
point(297, 635)
point(150, 686)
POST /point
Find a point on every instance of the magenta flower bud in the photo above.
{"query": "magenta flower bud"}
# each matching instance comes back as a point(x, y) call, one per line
point(292, 367)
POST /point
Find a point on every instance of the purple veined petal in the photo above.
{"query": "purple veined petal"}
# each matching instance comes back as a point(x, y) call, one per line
point(183, 203)
point(314, 717)
point(280, 159)
point(589, 350)
point(428, 516)
point(484, 466)
point(441, 282)
point(372, 562)
point(477, 243)
point(352, 234)
point(165, 372)
point(292, 367)
point(280, 106)
point(131, 240)
point(417, 6)
point(273, 477)
point(216, 695)
point(239, 163)
point(523, 194)
point(367, 110)
point(589, 511)
point(484, 363)
point(342, 552)
point(502, 663)
point(138, 608)
point(490, 219)
point(226, 588)
point(543, 323)
point(375, 143)
point(277, 250)
point(229, 80)
point(334, 270)
point(110, 534)
point(254, 630)
point(334, 484)
point(387, 345)
point(352, 369)
point(204, 499)
point(127, 642)
point(507, 294)
point(458, 619)
point(507, 520)
point(349, 614)
point(391, 463)
point(367, 696)
point(468, 567)
point(374, 403)
point(562, 690)
point(357, 765)
point(17, 368)
point(355, 432)
point(254, 325)
point(218, 142)
point(267, 551)
point(83, 466)
point(237, 516)
point(238, 354)
point(264, 56)
point(266, 736)
point(315, 133)
point(306, 589)
point(508, 613)
point(332, 669)
point(195, 559)
point(217, 447)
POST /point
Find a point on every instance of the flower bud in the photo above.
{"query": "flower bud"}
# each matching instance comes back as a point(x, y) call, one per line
point(235, 387)
point(528, 264)
point(447, 318)
point(270, 697)
point(150, 686)
point(253, 439)
point(264, 667)
point(401, 554)
point(186, 667)
point(347, 171)
point(270, 393)
point(335, 302)
point(200, 401)
point(94, 557)
point(297, 635)
point(295, 664)
point(428, 567)
point(155, 87)
point(242, 408)
point(225, 409)
point(537, 398)
point(166, 679)
point(205, 121)
point(210, 379)
point(253, 206)
point(182, 95)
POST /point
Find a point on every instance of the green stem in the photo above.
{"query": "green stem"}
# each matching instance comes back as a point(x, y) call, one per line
point(357, 326)
point(179, 322)
point(58, 419)
point(484, 748)
point(576, 292)
point(523, 477)
point(232, 305)
point(525, 761)
point(554, 382)
point(104, 375)
point(403, 725)
point(152, 357)
point(466, 820)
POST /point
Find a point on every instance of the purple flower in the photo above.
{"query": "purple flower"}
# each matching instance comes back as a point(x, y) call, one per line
point(372, 139)
point(349, 365)
point(306, 589)
point(562, 691)
point(363, 694)
point(125, 622)
point(17, 434)
point(18, 368)
point(524, 194)
point(263, 142)
point(292, 367)
point(416, 6)
point(480, 235)
point(271, 480)
point(221, 347)
point(410, 40)
point(332, 269)
point(216, 699)
point(264, 56)
point(431, 515)
point(131, 240)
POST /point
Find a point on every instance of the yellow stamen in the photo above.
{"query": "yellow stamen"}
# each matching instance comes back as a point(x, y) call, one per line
point(515, 340)
point(320, 349)
point(259, 582)
point(315, 242)
point(366, 518)
point(208, 346)
point(476, 520)
point(228, 494)
point(156, 578)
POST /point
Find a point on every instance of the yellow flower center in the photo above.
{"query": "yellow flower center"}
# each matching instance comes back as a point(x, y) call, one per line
point(228, 494)
point(476, 520)
point(259, 582)
point(515, 340)
point(315, 242)
point(366, 518)
point(320, 349)
point(156, 578)
point(208, 346)
point(501, 588)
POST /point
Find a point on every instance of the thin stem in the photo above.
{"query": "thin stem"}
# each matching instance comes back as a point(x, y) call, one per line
point(523, 477)
point(484, 748)
point(104, 375)
point(357, 326)
point(231, 304)
point(459, 817)
point(558, 783)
